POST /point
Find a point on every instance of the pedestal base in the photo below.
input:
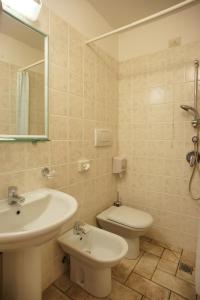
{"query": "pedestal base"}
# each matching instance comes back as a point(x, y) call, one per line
point(97, 282)
point(133, 248)
point(22, 275)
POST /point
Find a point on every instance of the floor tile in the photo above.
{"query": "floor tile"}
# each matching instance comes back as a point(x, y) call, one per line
point(167, 246)
point(176, 297)
point(77, 293)
point(145, 238)
point(171, 255)
point(120, 291)
point(188, 257)
point(151, 248)
point(175, 284)
point(52, 293)
point(186, 276)
point(124, 268)
point(147, 265)
point(147, 288)
point(167, 266)
point(63, 283)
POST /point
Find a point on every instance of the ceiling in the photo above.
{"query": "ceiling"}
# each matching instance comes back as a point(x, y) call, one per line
point(15, 29)
point(118, 13)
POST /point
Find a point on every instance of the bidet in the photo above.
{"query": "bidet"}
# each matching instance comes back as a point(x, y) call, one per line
point(91, 257)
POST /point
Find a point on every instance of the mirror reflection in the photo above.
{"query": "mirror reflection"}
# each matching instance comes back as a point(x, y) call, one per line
point(23, 81)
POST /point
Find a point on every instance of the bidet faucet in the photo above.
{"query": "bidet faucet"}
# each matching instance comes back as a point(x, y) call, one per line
point(79, 228)
point(13, 197)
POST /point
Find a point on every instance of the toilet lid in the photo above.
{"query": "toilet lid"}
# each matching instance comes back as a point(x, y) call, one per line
point(130, 217)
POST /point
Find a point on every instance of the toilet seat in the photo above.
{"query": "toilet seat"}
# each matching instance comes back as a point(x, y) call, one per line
point(130, 217)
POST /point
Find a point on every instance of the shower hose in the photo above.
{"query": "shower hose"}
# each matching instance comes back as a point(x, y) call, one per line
point(195, 167)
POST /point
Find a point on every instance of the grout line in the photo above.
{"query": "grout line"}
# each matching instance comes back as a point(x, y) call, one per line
point(178, 263)
point(169, 289)
point(154, 283)
point(156, 268)
point(132, 272)
point(63, 293)
point(133, 269)
point(170, 295)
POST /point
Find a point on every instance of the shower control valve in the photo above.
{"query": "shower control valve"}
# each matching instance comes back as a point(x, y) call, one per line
point(193, 158)
point(196, 123)
point(195, 139)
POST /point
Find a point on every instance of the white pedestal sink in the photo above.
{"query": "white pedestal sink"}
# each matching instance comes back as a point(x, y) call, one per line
point(22, 230)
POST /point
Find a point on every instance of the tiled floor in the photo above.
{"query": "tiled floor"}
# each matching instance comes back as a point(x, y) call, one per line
point(155, 275)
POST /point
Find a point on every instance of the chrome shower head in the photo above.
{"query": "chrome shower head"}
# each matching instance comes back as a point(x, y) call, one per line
point(188, 108)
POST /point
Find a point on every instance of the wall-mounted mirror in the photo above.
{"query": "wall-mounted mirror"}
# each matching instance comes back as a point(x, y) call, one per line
point(23, 81)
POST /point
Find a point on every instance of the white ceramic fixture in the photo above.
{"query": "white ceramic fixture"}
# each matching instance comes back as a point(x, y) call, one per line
point(23, 228)
point(129, 223)
point(30, 9)
point(92, 254)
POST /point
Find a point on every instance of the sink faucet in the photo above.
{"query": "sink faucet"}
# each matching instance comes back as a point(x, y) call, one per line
point(79, 228)
point(13, 197)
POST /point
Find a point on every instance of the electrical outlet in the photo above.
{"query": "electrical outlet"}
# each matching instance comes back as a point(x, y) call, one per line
point(174, 42)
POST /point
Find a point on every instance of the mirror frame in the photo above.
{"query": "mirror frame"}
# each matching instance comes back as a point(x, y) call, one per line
point(34, 138)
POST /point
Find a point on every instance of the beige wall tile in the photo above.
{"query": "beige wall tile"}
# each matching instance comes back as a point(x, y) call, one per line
point(59, 103)
point(13, 157)
point(38, 155)
point(79, 77)
point(59, 152)
point(75, 129)
point(59, 127)
point(75, 106)
point(58, 78)
point(152, 88)
point(75, 151)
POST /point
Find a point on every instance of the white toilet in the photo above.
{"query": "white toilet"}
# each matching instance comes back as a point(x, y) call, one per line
point(92, 254)
point(130, 223)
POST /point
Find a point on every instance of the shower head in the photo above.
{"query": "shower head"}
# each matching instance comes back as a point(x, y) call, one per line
point(188, 108)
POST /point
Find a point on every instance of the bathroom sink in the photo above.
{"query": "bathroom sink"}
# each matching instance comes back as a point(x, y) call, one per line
point(36, 221)
point(23, 228)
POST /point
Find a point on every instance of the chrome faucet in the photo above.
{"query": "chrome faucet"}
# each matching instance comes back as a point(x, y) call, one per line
point(79, 228)
point(13, 197)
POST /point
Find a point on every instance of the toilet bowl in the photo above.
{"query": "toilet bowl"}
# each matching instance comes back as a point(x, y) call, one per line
point(127, 222)
point(92, 255)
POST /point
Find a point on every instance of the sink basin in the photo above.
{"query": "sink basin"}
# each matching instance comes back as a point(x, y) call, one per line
point(22, 230)
point(36, 221)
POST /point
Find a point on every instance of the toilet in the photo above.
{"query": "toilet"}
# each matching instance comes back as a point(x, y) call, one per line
point(92, 254)
point(128, 222)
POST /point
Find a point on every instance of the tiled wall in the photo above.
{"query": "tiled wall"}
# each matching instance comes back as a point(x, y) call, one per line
point(155, 135)
point(83, 95)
